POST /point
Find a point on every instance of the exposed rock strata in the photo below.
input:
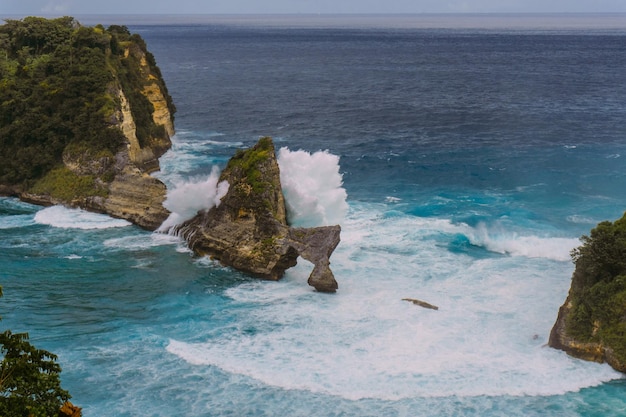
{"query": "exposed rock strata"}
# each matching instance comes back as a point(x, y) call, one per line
point(129, 192)
point(590, 351)
point(248, 230)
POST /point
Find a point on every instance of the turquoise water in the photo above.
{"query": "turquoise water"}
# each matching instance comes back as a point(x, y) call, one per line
point(471, 162)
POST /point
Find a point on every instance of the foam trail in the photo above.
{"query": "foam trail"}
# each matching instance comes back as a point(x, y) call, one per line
point(63, 217)
point(312, 186)
point(187, 198)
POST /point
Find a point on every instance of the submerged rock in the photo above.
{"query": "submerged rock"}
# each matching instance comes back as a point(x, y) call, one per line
point(421, 303)
point(248, 230)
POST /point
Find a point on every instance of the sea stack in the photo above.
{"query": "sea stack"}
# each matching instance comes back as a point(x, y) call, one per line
point(248, 230)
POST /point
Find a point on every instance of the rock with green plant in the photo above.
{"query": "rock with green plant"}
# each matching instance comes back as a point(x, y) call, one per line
point(248, 230)
point(591, 324)
point(84, 117)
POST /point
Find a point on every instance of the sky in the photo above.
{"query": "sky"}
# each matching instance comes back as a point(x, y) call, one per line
point(78, 7)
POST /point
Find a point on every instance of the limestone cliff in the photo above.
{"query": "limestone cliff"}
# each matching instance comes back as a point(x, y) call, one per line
point(92, 120)
point(591, 324)
point(248, 230)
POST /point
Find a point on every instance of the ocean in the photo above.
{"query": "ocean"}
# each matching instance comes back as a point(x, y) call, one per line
point(463, 157)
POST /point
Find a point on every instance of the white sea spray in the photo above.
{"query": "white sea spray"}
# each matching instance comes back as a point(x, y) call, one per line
point(313, 187)
point(187, 198)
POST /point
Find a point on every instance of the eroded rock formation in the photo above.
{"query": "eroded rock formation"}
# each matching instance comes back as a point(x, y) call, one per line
point(248, 230)
point(595, 350)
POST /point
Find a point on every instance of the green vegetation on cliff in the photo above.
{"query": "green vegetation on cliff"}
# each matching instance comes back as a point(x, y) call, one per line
point(59, 84)
point(249, 161)
point(598, 291)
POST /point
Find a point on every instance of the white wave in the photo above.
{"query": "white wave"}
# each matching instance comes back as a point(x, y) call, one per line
point(312, 186)
point(486, 339)
point(188, 198)
point(68, 218)
point(500, 241)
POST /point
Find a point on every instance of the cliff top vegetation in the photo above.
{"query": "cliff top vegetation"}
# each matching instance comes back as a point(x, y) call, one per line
point(598, 291)
point(58, 91)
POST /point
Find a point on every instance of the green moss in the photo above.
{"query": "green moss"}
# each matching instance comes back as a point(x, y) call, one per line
point(63, 184)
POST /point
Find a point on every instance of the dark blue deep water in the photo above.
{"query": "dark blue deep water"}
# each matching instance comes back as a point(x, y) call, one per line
point(472, 159)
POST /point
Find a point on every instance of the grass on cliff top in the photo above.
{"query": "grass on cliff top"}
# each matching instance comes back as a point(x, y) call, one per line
point(63, 184)
point(248, 161)
point(598, 292)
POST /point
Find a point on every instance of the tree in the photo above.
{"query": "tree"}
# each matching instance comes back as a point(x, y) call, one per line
point(29, 378)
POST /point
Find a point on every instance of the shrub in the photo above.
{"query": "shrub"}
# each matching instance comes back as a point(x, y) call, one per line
point(598, 292)
point(30, 382)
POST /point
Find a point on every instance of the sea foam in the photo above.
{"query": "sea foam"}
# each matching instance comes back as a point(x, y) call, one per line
point(67, 218)
point(313, 188)
point(187, 198)
point(487, 338)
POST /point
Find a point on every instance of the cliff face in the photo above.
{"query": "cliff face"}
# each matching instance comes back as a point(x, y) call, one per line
point(248, 230)
point(133, 194)
point(591, 324)
point(96, 156)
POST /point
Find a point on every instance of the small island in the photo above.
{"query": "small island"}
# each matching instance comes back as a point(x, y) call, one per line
point(591, 324)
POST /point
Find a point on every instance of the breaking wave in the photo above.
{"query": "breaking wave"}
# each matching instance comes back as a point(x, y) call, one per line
point(67, 218)
point(189, 197)
point(313, 188)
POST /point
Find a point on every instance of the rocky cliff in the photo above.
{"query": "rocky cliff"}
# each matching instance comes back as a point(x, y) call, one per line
point(85, 117)
point(591, 324)
point(248, 230)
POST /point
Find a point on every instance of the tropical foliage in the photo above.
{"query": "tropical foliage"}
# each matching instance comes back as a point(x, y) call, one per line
point(29, 378)
point(58, 87)
point(598, 292)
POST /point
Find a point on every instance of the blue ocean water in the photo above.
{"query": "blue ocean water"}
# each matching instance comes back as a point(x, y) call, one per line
point(472, 159)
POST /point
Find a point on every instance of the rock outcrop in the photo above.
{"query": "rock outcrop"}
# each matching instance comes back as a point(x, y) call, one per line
point(591, 324)
point(248, 230)
point(98, 151)
point(559, 339)
point(592, 349)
